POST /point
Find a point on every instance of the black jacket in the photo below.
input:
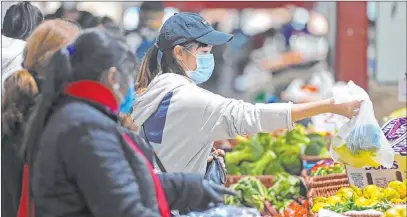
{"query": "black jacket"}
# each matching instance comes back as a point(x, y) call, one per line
point(11, 174)
point(85, 168)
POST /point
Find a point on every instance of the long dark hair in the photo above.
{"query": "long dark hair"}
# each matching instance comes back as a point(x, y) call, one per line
point(151, 66)
point(18, 97)
point(20, 20)
point(91, 55)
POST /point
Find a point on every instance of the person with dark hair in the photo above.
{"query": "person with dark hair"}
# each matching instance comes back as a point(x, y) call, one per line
point(88, 20)
point(82, 161)
point(18, 96)
point(143, 37)
point(20, 91)
point(108, 23)
point(69, 11)
point(20, 20)
point(180, 119)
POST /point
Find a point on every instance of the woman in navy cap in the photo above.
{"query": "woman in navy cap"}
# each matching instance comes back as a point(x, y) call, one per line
point(181, 120)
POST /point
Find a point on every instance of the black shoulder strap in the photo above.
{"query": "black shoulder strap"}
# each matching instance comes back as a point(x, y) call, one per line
point(159, 164)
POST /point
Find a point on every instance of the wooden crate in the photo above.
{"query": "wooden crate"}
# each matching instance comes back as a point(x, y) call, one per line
point(324, 191)
point(325, 178)
point(267, 181)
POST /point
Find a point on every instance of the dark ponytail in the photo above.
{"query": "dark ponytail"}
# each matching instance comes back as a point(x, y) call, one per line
point(149, 68)
point(168, 64)
point(58, 73)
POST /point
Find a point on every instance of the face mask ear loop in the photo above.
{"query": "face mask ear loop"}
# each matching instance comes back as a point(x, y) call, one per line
point(183, 61)
point(185, 66)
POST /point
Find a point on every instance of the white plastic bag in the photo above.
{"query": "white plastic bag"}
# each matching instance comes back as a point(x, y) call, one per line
point(360, 141)
point(226, 211)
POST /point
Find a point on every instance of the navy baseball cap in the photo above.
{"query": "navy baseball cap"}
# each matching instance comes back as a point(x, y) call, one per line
point(187, 27)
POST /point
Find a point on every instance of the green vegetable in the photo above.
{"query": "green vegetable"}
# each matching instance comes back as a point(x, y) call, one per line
point(280, 146)
point(316, 145)
point(249, 151)
point(264, 139)
point(250, 192)
point(350, 205)
point(297, 136)
point(313, 150)
point(250, 158)
point(285, 189)
point(258, 167)
point(274, 168)
point(329, 169)
point(291, 163)
point(233, 169)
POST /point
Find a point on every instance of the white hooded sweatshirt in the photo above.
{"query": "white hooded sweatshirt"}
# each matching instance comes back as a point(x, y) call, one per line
point(11, 56)
point(182, 120)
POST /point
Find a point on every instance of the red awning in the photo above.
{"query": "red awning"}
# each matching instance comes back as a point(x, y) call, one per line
point(197, 6)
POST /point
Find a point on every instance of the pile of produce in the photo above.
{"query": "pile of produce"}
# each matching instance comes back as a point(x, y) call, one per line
point(371, 197)
point(264, 154)
point(317, 145)
point(396, 211)
point(252, 193)
point(295, 210)
point(327, 167)
point(285, 190)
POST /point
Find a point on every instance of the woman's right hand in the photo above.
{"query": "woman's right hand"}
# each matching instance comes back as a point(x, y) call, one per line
point(347, 109)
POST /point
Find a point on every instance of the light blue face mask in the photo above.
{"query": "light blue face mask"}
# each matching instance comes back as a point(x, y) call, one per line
point(205, 63)
point(129, 99)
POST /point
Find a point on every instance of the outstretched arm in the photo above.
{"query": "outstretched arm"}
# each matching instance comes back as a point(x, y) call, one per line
point(226, 118)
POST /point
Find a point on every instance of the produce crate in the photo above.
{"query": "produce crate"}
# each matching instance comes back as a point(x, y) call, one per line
point(335, 182)
point(233, 179)
point(326, 179)
point(362, 215)
point(354, 215)
point(324, 191)
point(313, 159)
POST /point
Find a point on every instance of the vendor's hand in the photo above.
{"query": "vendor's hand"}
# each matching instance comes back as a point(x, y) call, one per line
point(347, 109)
point(220, 153)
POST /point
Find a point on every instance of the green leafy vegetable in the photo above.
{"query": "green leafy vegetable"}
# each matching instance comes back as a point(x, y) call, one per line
point(258, 167)
point(251, 192)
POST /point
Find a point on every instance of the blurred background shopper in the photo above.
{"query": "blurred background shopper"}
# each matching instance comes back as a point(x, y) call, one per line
point(18, 23)
point(19, 96)
point(144, 36)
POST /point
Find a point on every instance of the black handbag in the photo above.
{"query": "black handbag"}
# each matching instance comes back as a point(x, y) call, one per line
point(214, 169)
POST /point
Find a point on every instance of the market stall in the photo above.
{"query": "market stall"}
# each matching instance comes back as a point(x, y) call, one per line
point(291, 174)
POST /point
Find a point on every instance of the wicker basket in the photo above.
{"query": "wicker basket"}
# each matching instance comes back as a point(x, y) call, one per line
point(267, 181)
point(327, 178)
point(313, 159)
point(363, 215)
point(327, 183)
point(325, 191)
point(354, 215)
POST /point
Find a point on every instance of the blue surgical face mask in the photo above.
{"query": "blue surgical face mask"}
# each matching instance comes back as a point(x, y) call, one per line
point(205, 63)
point(129, 99)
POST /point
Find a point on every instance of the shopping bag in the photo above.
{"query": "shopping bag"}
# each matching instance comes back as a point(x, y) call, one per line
point(360, 141)
point(225, 211)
